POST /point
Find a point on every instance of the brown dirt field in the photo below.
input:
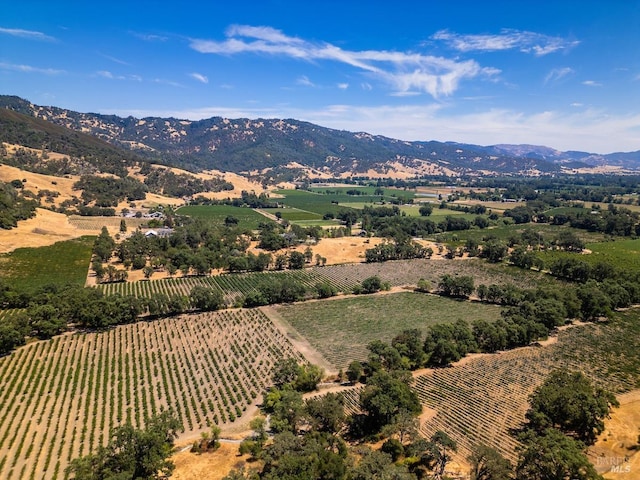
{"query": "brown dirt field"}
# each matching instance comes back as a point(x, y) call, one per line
point(615, 446)
point(212, 466)
point(46, 228)
point(341, 250)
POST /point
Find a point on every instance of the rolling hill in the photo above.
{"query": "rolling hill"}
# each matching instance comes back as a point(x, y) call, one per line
point(259, 145)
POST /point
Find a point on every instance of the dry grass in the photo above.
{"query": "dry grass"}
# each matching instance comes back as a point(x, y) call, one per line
point(212, 466)
point(46, 228)
point(620, 439)
point(37, 182)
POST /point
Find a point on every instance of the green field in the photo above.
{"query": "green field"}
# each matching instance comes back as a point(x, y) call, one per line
point(365, 191)
point(320, 202)
point(622, 254)
point(341, 328)
point(62, 262)
point(247, 217)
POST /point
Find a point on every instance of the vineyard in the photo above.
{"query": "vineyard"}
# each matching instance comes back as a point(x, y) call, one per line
point(484, 398)
point(59, 398)
point(95, 224)
point(343, 277)
point(234, 286)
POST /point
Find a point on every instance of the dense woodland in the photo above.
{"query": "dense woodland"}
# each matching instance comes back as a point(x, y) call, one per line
point(14, 204)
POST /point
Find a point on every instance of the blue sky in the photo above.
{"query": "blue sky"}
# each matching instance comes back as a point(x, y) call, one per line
point(565, 74)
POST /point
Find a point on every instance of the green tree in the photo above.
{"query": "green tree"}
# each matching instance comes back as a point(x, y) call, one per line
point(487, 464)
point(371, 284)
point(552, 455)
point(386, 396)
point(296, 260)
point(326, 412)
point(426, 210)
point(438, 454)
point(206, 299)
point(147, 271)
point(131, 453)
point(354, 371)
point(569, 402)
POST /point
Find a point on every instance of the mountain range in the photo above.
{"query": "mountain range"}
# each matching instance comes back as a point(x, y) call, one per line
point(259, 145)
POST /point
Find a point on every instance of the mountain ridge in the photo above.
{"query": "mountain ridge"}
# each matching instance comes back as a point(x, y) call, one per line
point(256, 145)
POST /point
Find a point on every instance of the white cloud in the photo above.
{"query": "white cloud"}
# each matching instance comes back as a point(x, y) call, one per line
point(591, 83)
point(114, 59)
point(199, 77)
point(557, 74)
point(30, 69)
point(150, 37)
point(111, 76)
point(576, 104)
point(508, 39)
point(105, 74)
point(304, 80)
point(171, 83)
point(404, 72)
point(343, 86)
point(28, 34)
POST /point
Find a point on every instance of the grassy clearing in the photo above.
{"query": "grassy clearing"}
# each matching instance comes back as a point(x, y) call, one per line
point(247, 217)
point(62, 262)
point(341, 328)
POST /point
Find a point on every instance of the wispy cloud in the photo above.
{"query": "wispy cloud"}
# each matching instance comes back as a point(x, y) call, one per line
point(343, 86)
point(508, 39)
point(111, 76)
point(403, 71)
point(199, 77)
point(114, 59)
point(171, 83)
point(592, 83)
point(557, 74)
point(148, 37)
point(304, 80)
point(30, 69)
point(28, 34)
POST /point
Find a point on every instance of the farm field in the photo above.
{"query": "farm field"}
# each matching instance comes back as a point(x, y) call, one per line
point(60, 398)
point(483, 397)
point(30, 268)
point(95, 224)
point(503, 232)
point(341, 328)
point(233, 286)
point(622, 254)
point(320, 202)
point(343, 277)
point(247, 217)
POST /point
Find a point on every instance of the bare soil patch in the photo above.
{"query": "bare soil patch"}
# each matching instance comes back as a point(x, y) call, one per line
point(617, 447)
point(212, 465)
